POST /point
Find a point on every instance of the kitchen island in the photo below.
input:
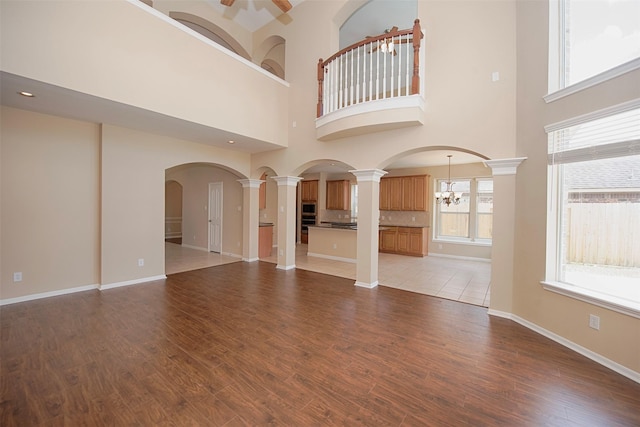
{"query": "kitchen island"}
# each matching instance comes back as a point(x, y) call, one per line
point(336, 241)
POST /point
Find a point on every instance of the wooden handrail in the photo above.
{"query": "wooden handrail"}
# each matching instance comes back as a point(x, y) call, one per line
point(416, 36)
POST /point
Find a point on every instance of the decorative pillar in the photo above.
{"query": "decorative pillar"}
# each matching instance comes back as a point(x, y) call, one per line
point(367, 233)
point(503, 241)
point(250, 218)
point(287, 188)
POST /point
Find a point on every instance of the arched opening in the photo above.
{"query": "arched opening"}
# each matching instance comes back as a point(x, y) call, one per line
point(271, 55)
point(210, 31)
point(209, 193)
point(173, 212)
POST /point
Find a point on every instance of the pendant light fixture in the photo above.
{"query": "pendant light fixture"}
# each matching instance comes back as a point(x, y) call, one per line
point(449, 196)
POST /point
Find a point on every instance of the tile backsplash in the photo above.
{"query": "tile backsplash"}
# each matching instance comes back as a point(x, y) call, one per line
point(408, 218)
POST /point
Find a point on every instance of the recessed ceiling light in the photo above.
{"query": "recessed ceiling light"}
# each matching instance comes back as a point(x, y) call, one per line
point(27, 94)
point(231, 141)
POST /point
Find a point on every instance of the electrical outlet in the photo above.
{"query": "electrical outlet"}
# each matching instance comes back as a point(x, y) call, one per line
point(413, 218)
point(594, 321)
point(17, 276)
point(335, 246)
point(140, 262)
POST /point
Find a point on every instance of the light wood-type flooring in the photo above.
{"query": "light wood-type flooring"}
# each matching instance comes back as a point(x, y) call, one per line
point(245, 344)
point(455, 279)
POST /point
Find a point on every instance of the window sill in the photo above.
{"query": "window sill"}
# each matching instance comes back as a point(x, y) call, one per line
point(463, 242)
point(612, 73)
point(610, 302)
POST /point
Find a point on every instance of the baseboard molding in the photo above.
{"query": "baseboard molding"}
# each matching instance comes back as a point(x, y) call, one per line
point(333, 258)
point(48, 294)
point(132, 282)
point(250, 259)
point(285, 267)
point(466, 258)
point(608, 363)
point(231, 255)
point(197, 248)
point(366, 285)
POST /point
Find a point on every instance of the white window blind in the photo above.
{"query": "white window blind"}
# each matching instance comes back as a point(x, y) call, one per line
point(616, 135)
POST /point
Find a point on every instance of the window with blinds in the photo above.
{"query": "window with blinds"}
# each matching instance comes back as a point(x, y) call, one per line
point(594, 205)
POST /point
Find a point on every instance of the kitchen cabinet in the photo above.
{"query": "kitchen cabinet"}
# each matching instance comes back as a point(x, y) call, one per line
point(387, 241)
point(309, 191)
point(262, 199)
point(404, 240)
point(404, 193)
point(339, 195)
point(265, 240)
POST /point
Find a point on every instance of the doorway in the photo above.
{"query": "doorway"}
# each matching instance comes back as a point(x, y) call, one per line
point(215, 217)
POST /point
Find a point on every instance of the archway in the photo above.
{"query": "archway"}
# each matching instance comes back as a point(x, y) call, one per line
point(193, 250)
point(173, 212)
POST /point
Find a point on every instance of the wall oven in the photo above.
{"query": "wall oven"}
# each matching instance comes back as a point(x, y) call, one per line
point(308, 209)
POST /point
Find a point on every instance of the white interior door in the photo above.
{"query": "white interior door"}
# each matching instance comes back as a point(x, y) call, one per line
point(215, 217)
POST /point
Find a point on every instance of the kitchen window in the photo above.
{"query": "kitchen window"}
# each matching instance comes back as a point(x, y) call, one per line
point(593, 232)
point(470, 221)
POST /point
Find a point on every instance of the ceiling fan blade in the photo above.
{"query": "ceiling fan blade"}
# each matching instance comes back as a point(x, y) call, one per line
point(284, 5)
point(227, 2)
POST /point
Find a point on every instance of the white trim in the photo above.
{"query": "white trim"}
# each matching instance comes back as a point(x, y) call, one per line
point(504, 166)
point(230, 254)
point(467, 258)
point(132, 282)
point(333, 258)
point(366, 285)
point(468, 242)
point(609, 302)
point(368, 175)
point(594, 115)
point(386, 104)
point(173, 235)
point(250, 183)
point(285, 267)
point(48, 294)
point(251, 259)
point(604, 76)
point(614, 366)
point(290, 181)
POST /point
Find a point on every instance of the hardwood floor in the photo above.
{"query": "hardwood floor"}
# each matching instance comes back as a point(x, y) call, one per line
point(244, 344)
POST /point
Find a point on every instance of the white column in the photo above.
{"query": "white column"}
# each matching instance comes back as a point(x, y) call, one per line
point(368, 215)
point(287, 188)
point(250, 218)
point(503, 242)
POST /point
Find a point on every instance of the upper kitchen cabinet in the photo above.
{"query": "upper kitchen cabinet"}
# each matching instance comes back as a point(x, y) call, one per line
point(339, 195)
point(404, 193)
point(309, 191)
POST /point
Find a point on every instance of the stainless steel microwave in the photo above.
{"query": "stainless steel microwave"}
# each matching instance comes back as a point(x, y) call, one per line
point(308, 208)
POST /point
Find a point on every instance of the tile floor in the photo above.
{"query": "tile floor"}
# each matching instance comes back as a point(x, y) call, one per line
point(449, 278)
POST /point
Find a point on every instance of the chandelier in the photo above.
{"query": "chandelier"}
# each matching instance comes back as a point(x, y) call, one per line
point(448, 196)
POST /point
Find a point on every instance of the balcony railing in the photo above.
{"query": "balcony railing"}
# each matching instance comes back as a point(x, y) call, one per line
point(381, 67)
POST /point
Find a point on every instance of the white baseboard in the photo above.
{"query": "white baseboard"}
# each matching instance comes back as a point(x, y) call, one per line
point(366, 285)
point(48, 294)
point(132, 282)
point(614, 366)
point(197, 248)
point(285, 267)
point(333, 258)
point(231, 255)
point(466, 258)
point(250, 259)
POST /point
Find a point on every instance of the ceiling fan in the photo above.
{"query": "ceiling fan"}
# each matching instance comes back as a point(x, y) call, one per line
point(284, 5)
